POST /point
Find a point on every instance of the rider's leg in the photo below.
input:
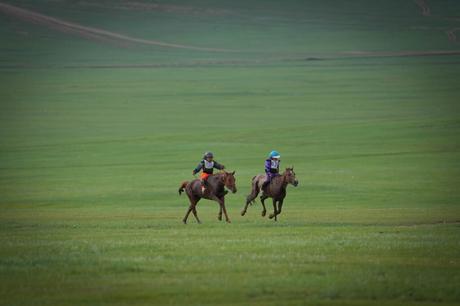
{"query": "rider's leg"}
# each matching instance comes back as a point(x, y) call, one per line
point(266, 183)
point(204, 182)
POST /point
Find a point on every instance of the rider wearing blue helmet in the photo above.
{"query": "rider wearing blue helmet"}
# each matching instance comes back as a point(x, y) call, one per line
point(272, 167)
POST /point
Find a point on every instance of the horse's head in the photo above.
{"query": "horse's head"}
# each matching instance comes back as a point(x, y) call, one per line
point(229, 180)
point(290, 178)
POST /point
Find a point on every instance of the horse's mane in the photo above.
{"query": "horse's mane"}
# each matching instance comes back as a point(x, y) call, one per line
point(282, 175)
point(216, 175)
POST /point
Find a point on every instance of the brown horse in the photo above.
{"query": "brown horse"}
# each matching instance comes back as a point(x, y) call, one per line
point(214, 191)
point(275, 190)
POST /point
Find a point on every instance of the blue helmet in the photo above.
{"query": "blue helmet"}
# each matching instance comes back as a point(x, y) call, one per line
point(274, 154)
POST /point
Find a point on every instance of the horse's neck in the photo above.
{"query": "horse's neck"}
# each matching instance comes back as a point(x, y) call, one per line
point(215, 180)
point(281, 181)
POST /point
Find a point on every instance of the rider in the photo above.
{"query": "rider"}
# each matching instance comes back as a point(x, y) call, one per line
point(272, 168)
point(207, 165)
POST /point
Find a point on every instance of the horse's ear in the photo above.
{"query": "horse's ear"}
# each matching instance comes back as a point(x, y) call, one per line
point(233, 173)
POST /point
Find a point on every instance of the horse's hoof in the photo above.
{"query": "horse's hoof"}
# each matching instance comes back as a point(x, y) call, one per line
point(228, 221)
point(185, 222)
point(271, 216)
point(264, 213)
point(243, 212)
point(219, 218)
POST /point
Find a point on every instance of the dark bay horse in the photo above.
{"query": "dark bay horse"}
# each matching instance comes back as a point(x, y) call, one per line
point(275, 190)
point(214, 191)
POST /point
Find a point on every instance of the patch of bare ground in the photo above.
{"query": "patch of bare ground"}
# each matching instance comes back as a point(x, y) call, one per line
point(177, 9)
point(91, 32)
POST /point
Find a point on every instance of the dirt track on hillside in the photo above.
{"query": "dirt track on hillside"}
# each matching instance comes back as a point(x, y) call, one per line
point(91, 32)
point(174, 8)
point(104, 36)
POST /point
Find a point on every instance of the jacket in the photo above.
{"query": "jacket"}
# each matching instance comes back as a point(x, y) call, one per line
point(208, 167)
point(272, 167)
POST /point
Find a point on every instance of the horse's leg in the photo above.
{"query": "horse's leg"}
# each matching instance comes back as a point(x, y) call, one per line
point(250, 198)
point(219, 216)
point(193, 202)
point(243, 212)
point(221, 202)
point(280, 205)
point(224, 210)
point(218, 200)
point(274, 211)
point(262, 200)
point(190, 208)
point(194, 211)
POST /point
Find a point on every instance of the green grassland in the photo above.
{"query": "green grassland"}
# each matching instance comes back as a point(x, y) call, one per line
point(95, 139)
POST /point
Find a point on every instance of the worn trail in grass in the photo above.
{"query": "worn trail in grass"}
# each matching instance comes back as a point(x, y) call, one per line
point(91, 159)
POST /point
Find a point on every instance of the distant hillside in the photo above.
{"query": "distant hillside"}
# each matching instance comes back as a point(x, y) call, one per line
point(221, 32)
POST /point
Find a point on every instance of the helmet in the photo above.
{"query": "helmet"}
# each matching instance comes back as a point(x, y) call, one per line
point(208, 155)
point(274, 154)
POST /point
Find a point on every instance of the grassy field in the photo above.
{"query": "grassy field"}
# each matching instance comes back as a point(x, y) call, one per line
point(97, 134)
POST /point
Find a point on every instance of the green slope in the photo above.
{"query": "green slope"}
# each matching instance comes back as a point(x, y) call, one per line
point(93, 149)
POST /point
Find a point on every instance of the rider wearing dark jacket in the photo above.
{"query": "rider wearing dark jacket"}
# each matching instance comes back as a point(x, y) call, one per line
point(207, 166)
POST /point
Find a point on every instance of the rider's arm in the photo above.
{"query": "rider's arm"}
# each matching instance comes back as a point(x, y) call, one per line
point(268, 166)
point(198, 168)
point(218, 166)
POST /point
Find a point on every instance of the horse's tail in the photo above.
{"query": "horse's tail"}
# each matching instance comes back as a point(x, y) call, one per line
point(182, 187)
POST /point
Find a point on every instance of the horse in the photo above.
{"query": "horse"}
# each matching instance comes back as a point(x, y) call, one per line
point(214, 191)
point(275, 190)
